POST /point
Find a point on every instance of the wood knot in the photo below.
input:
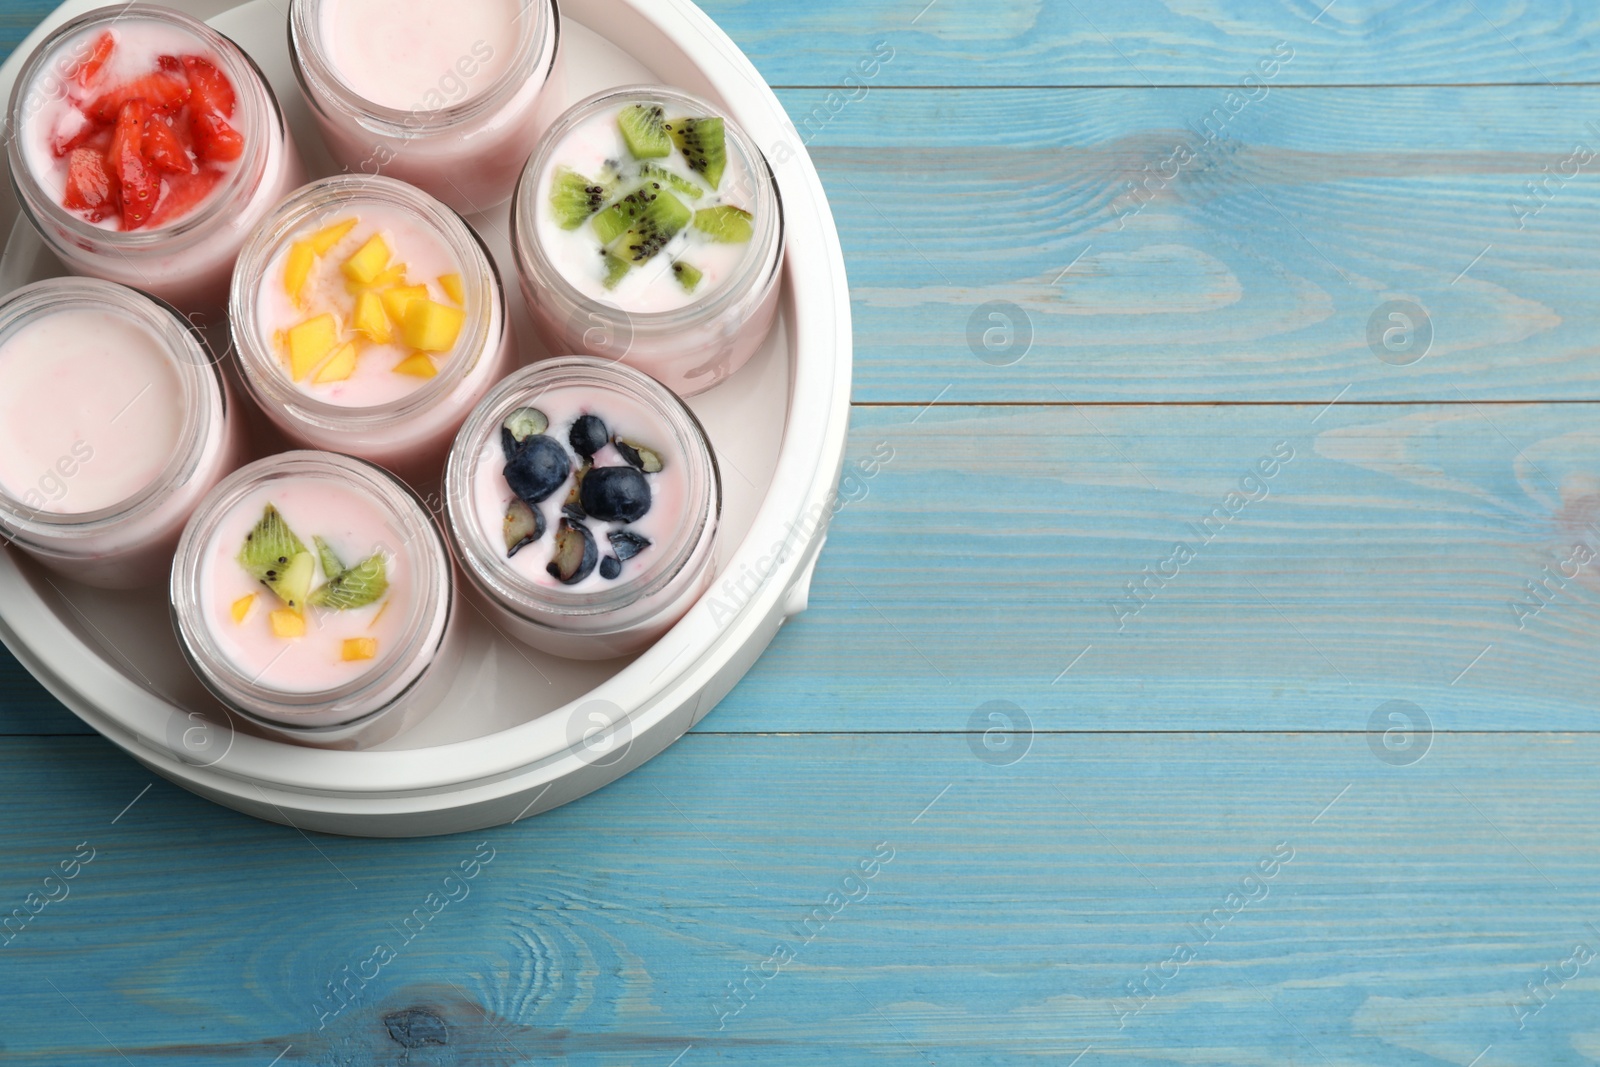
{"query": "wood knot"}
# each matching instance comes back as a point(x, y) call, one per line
point(416, 1027)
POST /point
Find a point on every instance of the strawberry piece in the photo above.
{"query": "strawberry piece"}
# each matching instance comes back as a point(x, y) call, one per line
point(184, 193)
point(162, 92)
point(91, 188)
point(163, 148)
point(140, 183)
point(212, 90)
point(170, 64)
point(99, 52)
point(214, 139)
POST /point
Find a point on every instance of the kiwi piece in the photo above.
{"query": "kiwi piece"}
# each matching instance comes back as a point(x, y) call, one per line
point(648, 200)
point(269, 546)
point(276, 558)
point(726, 224)
point(617, 269)
point(355, 588)
point(573, 197)
point(644, 132)
point(523, 526)
point(703, 143)
point(332, 566)
point(655, 172)
point(664, 216)
point(688, 275)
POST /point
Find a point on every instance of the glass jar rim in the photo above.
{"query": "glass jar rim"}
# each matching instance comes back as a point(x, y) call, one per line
point(484, 304)
point(483, 562)
point(314, 70)
point(536, 263)
point(204, 396)
point(389, 677)
point(254, 118)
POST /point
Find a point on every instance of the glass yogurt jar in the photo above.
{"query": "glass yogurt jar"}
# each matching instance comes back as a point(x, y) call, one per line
point(146, 148)
point(369, 319)
point(449, 97)
point(114, 422)
point(583, 500)
point(312, 594)
point(648, 229)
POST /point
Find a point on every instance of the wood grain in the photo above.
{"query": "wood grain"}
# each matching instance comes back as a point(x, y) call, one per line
point(1253, 274)
point(1411, 907)
point(1167, 42)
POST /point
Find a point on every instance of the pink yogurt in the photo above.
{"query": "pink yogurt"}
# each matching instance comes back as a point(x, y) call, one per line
point(113, 424)
point(355, 528)
point(304, 687)
point(448, 97)
point(401, 422)
point(597, 617)
point(626, 418)
point(187, 259)
point(375, 381)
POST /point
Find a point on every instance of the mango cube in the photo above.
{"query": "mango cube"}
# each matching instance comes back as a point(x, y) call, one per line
point(371, 320)
point(242, 606)
point(324, 239)
point(418, 366)
point(340, 367)
point(359, 648)
point(288, 624)
point(451, 284)
point(398, 299)
point(432, 326)
point(310, 342)
point(368, 262)
point(395, 275)
point(297, 270)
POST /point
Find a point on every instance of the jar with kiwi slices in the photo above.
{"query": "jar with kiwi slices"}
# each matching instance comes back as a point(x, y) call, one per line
point(648, 229)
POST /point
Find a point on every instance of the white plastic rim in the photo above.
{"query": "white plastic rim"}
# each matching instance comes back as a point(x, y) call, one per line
point(534, 766)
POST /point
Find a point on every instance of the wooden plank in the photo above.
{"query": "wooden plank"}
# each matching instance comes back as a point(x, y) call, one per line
point(1389, 559)
point(1255, 273)
point(1380, 563)
point(1159, 42)
point(1407, 911)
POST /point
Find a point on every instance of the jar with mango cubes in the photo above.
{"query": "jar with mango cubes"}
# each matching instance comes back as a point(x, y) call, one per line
point(369, 319)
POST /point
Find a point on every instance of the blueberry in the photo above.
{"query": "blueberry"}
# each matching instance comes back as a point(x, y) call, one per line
point(610, 568)
point(616, 494)
point(646, 459)
point(523, 526)
point(539, 468)
point(576, 554)
point(627, 544)
point(589, 435)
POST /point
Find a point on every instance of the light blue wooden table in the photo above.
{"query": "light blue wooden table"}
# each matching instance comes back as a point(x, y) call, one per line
point(1210, 678)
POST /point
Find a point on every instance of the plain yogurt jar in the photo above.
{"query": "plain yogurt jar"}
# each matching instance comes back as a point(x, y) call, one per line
point(114, 422)
point(369, 319)
point(449, 97)
point(648, 229)
point(583, 500)
point(312, 594)
point(146, 148)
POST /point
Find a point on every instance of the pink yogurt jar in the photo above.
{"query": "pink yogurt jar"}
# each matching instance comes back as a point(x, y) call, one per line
point(331, 622)
point(319, 315)
point(185, 250)
point(449, 97)
point(582, 503)
point(688, 308)
point(114, 422)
